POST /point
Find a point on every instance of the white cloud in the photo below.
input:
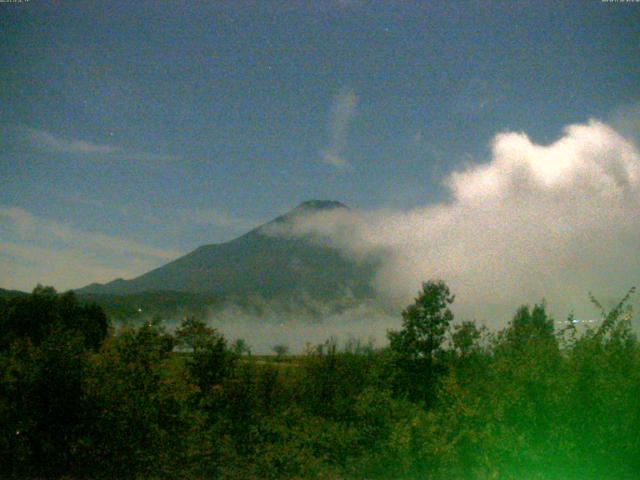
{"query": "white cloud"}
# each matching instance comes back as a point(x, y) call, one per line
point(35, 249)
point(342, 112)
point(590, 158)
point(553, 221)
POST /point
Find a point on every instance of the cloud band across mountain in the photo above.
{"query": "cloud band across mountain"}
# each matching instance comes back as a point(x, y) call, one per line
point(554, 221)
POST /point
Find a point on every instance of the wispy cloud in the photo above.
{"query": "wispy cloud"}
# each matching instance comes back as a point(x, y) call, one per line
point(342, 112)
point(330, 158)
point(23, 266)
point(48, 142)
point(37, 249)
point(149, 157)
point(478, 96)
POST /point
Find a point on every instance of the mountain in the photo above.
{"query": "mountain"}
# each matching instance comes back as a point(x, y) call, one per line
point(11, 293)
point(258, 265)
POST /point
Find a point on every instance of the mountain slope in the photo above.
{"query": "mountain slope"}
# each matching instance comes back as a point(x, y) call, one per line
point(11, 293)
point(257, 264)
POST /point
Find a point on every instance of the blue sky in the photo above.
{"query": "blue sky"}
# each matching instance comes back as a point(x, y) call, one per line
point(133, 132)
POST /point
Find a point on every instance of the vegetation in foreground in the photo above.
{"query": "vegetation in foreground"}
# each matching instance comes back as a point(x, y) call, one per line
point(443, 401)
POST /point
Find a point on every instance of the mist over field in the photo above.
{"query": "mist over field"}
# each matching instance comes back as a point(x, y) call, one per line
point(367, 323)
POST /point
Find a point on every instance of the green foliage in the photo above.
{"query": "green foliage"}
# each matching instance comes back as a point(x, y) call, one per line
point(134, 422)
point(418, 347)
point(280, 350)
point(211, 359)
point(45, 344)
point(35, 316)
point(332, 379)
point(522, 407)
point(241, 347)
point(41, 404)
point(424, 323)
point(441, 402)
point(465, 338)
point(193, 333)
point(528, 324)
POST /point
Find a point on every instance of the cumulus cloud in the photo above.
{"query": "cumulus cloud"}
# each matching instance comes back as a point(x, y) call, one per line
point(342, 112)
point(536, 221)
point(35, 249)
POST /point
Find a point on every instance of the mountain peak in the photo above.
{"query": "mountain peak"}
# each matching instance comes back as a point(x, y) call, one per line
point(314, 205)
point(308, 207)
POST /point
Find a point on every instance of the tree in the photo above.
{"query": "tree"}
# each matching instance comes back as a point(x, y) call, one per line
point(41, 405)
point(424, 323)
point(193, 333)
point(281, 350)
point(241, 347)
point(133, 415)
point(465, 338)
point(45, 343)
point(531, 324)
point(211, 359)
point(35, 316)
point(419, 344)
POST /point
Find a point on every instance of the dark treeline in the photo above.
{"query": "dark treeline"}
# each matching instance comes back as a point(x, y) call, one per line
point(445, 400)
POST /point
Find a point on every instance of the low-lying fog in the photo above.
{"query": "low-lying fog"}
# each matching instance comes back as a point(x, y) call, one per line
point(366, 323)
